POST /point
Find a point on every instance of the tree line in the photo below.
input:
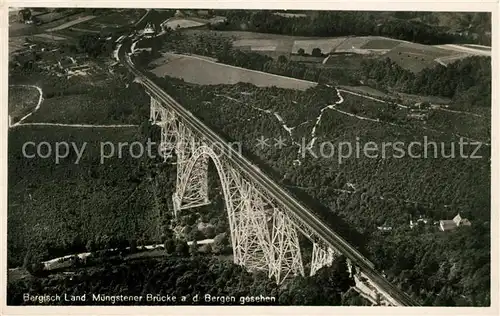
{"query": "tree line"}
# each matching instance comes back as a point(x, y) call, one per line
point(182, 274)
point(344, 23)
point(467, 80)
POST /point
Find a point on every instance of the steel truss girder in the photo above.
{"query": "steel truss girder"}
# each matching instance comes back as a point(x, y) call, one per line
point(253, 239)
point(322, 256)
point(192, 171)
point(286, 257)
point(156, 111)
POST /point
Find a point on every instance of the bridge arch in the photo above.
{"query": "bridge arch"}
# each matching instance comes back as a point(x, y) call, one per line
point(203, 152)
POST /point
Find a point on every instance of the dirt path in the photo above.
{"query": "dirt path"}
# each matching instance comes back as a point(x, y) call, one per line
point(318, 119)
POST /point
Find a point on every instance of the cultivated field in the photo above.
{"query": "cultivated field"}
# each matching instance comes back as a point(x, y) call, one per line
point(411, 56)
point(201, 71)
point(326, 45)
point(349, 61)
point(292, 44)
point(258, 45)
point(70, 33)
point(418, 98)
point(349, 43)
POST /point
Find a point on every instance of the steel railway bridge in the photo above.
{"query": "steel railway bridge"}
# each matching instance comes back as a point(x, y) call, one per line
point(265, 220)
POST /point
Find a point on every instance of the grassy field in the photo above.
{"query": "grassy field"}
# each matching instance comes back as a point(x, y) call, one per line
point(201, 71)
point(22, 100)
point(259, 44)
point(416, 57)
point(382, 43)
point(291, 15)
point(112, 20)
point(182, 23)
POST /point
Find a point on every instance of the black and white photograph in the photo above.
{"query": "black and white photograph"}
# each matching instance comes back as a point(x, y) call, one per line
point(249, 157)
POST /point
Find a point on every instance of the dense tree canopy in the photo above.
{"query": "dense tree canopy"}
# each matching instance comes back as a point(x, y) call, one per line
point(188, 277)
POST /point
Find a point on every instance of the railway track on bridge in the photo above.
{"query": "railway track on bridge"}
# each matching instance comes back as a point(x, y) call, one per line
point(302, 214)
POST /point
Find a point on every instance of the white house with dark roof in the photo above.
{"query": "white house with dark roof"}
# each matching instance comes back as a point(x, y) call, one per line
point(450, 224)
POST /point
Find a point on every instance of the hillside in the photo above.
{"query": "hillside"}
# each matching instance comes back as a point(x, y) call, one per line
point(382, 191)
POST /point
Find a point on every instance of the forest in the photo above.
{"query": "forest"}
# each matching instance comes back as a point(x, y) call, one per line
point(467, 82)
point(384, 193)
point(54, 209)
point(355, 23)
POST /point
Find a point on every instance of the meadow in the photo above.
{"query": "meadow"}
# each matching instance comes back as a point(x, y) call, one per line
point(416, 57)
point(22, 100)
point(201, 71)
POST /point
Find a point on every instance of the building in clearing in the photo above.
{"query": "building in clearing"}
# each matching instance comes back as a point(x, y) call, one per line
point(149, 29)
point(457, 221)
